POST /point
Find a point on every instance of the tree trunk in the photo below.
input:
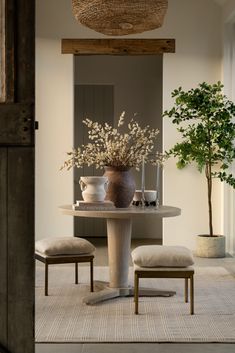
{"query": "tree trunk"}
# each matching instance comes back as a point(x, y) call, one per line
point(209, 189)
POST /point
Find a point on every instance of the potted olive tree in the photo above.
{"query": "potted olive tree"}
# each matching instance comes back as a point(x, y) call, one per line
point(204, 117)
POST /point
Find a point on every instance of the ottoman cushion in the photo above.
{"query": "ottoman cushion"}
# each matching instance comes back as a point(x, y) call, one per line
point(64, 246)
point(162, 256)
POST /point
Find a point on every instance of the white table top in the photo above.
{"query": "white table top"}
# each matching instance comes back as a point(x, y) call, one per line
point(130, 212)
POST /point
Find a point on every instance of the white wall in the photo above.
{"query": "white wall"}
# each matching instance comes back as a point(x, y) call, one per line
point(196, 26)
point(197, 59)
point(229, 87)
point(54, 111)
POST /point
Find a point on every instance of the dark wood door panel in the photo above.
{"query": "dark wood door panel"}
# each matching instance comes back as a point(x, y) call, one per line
point(17, 249)
point(3, 245)
point(25, 51)
point(17, 124)
point(17, 180)
point(19, 50)
point(20, 265)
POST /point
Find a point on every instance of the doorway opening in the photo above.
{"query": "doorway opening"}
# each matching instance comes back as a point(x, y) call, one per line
point(104, 87)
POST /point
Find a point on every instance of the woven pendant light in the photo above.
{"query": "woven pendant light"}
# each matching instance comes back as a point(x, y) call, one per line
point(120, 17)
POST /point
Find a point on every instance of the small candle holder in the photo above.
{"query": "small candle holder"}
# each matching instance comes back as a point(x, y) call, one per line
point(146, 200)
point(157, 202)
point(142, 199)
point(146, 204)
point(143, 183)
point(157, 185)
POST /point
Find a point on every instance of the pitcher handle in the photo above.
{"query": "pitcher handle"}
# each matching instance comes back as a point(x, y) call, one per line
point(83, 186)
point(106, 185)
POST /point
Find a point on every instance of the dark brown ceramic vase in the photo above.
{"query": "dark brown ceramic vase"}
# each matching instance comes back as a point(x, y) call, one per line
point(121, 186)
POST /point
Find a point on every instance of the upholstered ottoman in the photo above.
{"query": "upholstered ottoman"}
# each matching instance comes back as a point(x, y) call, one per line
point(61, 250)
point(158, 261)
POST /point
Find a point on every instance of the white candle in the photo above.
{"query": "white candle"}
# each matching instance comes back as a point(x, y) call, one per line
point(157, 184)
point(158, 177)
point(143, 179)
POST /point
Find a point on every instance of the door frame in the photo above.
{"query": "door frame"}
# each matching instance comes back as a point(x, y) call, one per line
point(117, 47)
point(17, 135)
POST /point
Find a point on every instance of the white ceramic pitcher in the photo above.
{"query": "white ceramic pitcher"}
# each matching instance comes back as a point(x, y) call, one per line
point(93, 188)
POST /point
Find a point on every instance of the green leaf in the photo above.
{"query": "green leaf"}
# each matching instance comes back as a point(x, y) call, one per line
point(205, 121)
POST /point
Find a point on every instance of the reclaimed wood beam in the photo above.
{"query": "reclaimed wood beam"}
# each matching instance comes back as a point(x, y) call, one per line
point(117, 46)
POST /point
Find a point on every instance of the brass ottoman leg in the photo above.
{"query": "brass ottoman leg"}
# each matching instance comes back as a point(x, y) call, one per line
point(136, 293)
point(76, 273)
point(91, 276)
point(186, 290)
point(46, 279)
point(191, 295)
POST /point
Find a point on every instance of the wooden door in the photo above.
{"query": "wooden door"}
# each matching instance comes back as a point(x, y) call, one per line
point(95, 102)
point(17, 176)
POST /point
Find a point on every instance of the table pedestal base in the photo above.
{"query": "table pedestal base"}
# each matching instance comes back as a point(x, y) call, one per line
point(106, 293)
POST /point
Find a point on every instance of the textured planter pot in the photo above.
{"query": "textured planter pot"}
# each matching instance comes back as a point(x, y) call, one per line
point(210, 246)
point(121, 187)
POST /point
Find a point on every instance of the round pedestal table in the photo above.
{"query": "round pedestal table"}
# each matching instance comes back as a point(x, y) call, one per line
point(119, 225)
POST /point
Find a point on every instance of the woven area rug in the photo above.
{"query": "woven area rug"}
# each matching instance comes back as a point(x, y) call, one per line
point(62, 317)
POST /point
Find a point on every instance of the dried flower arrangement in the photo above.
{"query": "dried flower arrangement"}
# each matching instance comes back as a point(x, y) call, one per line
point(111, 147)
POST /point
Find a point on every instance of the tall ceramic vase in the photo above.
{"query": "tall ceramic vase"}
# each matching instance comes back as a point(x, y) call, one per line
point(121, 187)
